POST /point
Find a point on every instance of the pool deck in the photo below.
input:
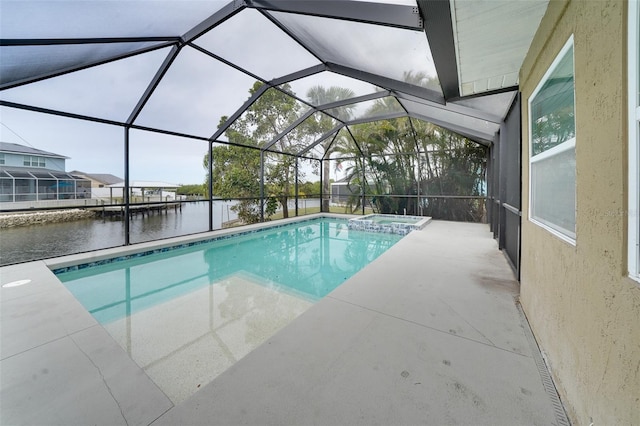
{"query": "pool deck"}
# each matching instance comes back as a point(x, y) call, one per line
point(429, 333)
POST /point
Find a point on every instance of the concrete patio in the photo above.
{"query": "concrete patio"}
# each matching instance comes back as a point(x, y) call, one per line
point(429, 333)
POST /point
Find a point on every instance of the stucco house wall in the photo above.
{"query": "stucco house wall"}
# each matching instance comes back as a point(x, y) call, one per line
point(583, 309)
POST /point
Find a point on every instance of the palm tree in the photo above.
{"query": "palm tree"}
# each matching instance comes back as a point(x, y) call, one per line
point(449, 165)
point(319, 95)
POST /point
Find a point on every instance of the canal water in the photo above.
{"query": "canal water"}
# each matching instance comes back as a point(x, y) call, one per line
point(22, 244)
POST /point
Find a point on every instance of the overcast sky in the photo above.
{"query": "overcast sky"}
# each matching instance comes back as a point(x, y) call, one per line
point(192, 97)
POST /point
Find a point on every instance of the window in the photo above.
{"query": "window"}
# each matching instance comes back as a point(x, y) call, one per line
point(1, 158)
point(552, 154)
point(634, 140)
point(32, 161)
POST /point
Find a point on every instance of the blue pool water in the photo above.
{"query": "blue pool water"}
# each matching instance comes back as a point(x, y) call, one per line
point(307, 259)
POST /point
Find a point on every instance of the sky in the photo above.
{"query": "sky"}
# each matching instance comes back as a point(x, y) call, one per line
point(193, 95)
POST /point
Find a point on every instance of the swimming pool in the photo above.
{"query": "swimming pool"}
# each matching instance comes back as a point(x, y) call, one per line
point(187, 314)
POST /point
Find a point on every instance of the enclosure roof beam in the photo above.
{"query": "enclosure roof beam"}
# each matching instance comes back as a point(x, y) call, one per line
point(84, 40)
point(315, 69)
point(105, 121)
point(388, 116)
point(162, 70)
point(459, 109)
point(328, 150)
point(321, 139)
point(239, 112)
point(354, 100)
point(292, 35)
point(60, 113)
point(312, 70)
point(355, 142)
point(437, 24)
point(227, 62)
point(350, 101)
point(477, 136)
point(392, 15)
point(387, 83)
point(33, 79)
point(290, 128)
point(229, 10)
point(472, 112)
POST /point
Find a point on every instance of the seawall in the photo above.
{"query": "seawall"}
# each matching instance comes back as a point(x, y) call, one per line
point(36, 218)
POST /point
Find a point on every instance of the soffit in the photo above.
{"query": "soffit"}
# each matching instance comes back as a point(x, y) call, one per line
point(491, 39)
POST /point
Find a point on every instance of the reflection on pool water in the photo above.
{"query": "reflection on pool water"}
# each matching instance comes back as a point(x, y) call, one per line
point(188, 314)
point(186, 342)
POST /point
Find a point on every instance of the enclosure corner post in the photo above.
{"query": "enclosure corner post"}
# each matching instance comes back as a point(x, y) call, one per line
point(296, 185)
point(418, 179)
point(125, 190)
point(261, 186)
point(322, 186)
point(363, 186)
point(210, 186)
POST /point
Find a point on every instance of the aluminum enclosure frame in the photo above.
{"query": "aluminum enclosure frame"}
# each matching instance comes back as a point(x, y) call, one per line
point(431, 18)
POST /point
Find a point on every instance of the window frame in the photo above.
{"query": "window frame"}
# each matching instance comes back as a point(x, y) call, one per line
point(558, 149)
point(34, 161)
point(633, 213)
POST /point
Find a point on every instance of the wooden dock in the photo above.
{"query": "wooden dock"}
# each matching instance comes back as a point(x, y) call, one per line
point(138, 209)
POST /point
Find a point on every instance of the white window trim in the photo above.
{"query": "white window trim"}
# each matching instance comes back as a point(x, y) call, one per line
point(634, 141)
point(34, 161)
point(552, 152)
point(569, 144)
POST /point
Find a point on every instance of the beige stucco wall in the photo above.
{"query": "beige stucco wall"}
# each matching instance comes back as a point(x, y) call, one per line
point(584, 311)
